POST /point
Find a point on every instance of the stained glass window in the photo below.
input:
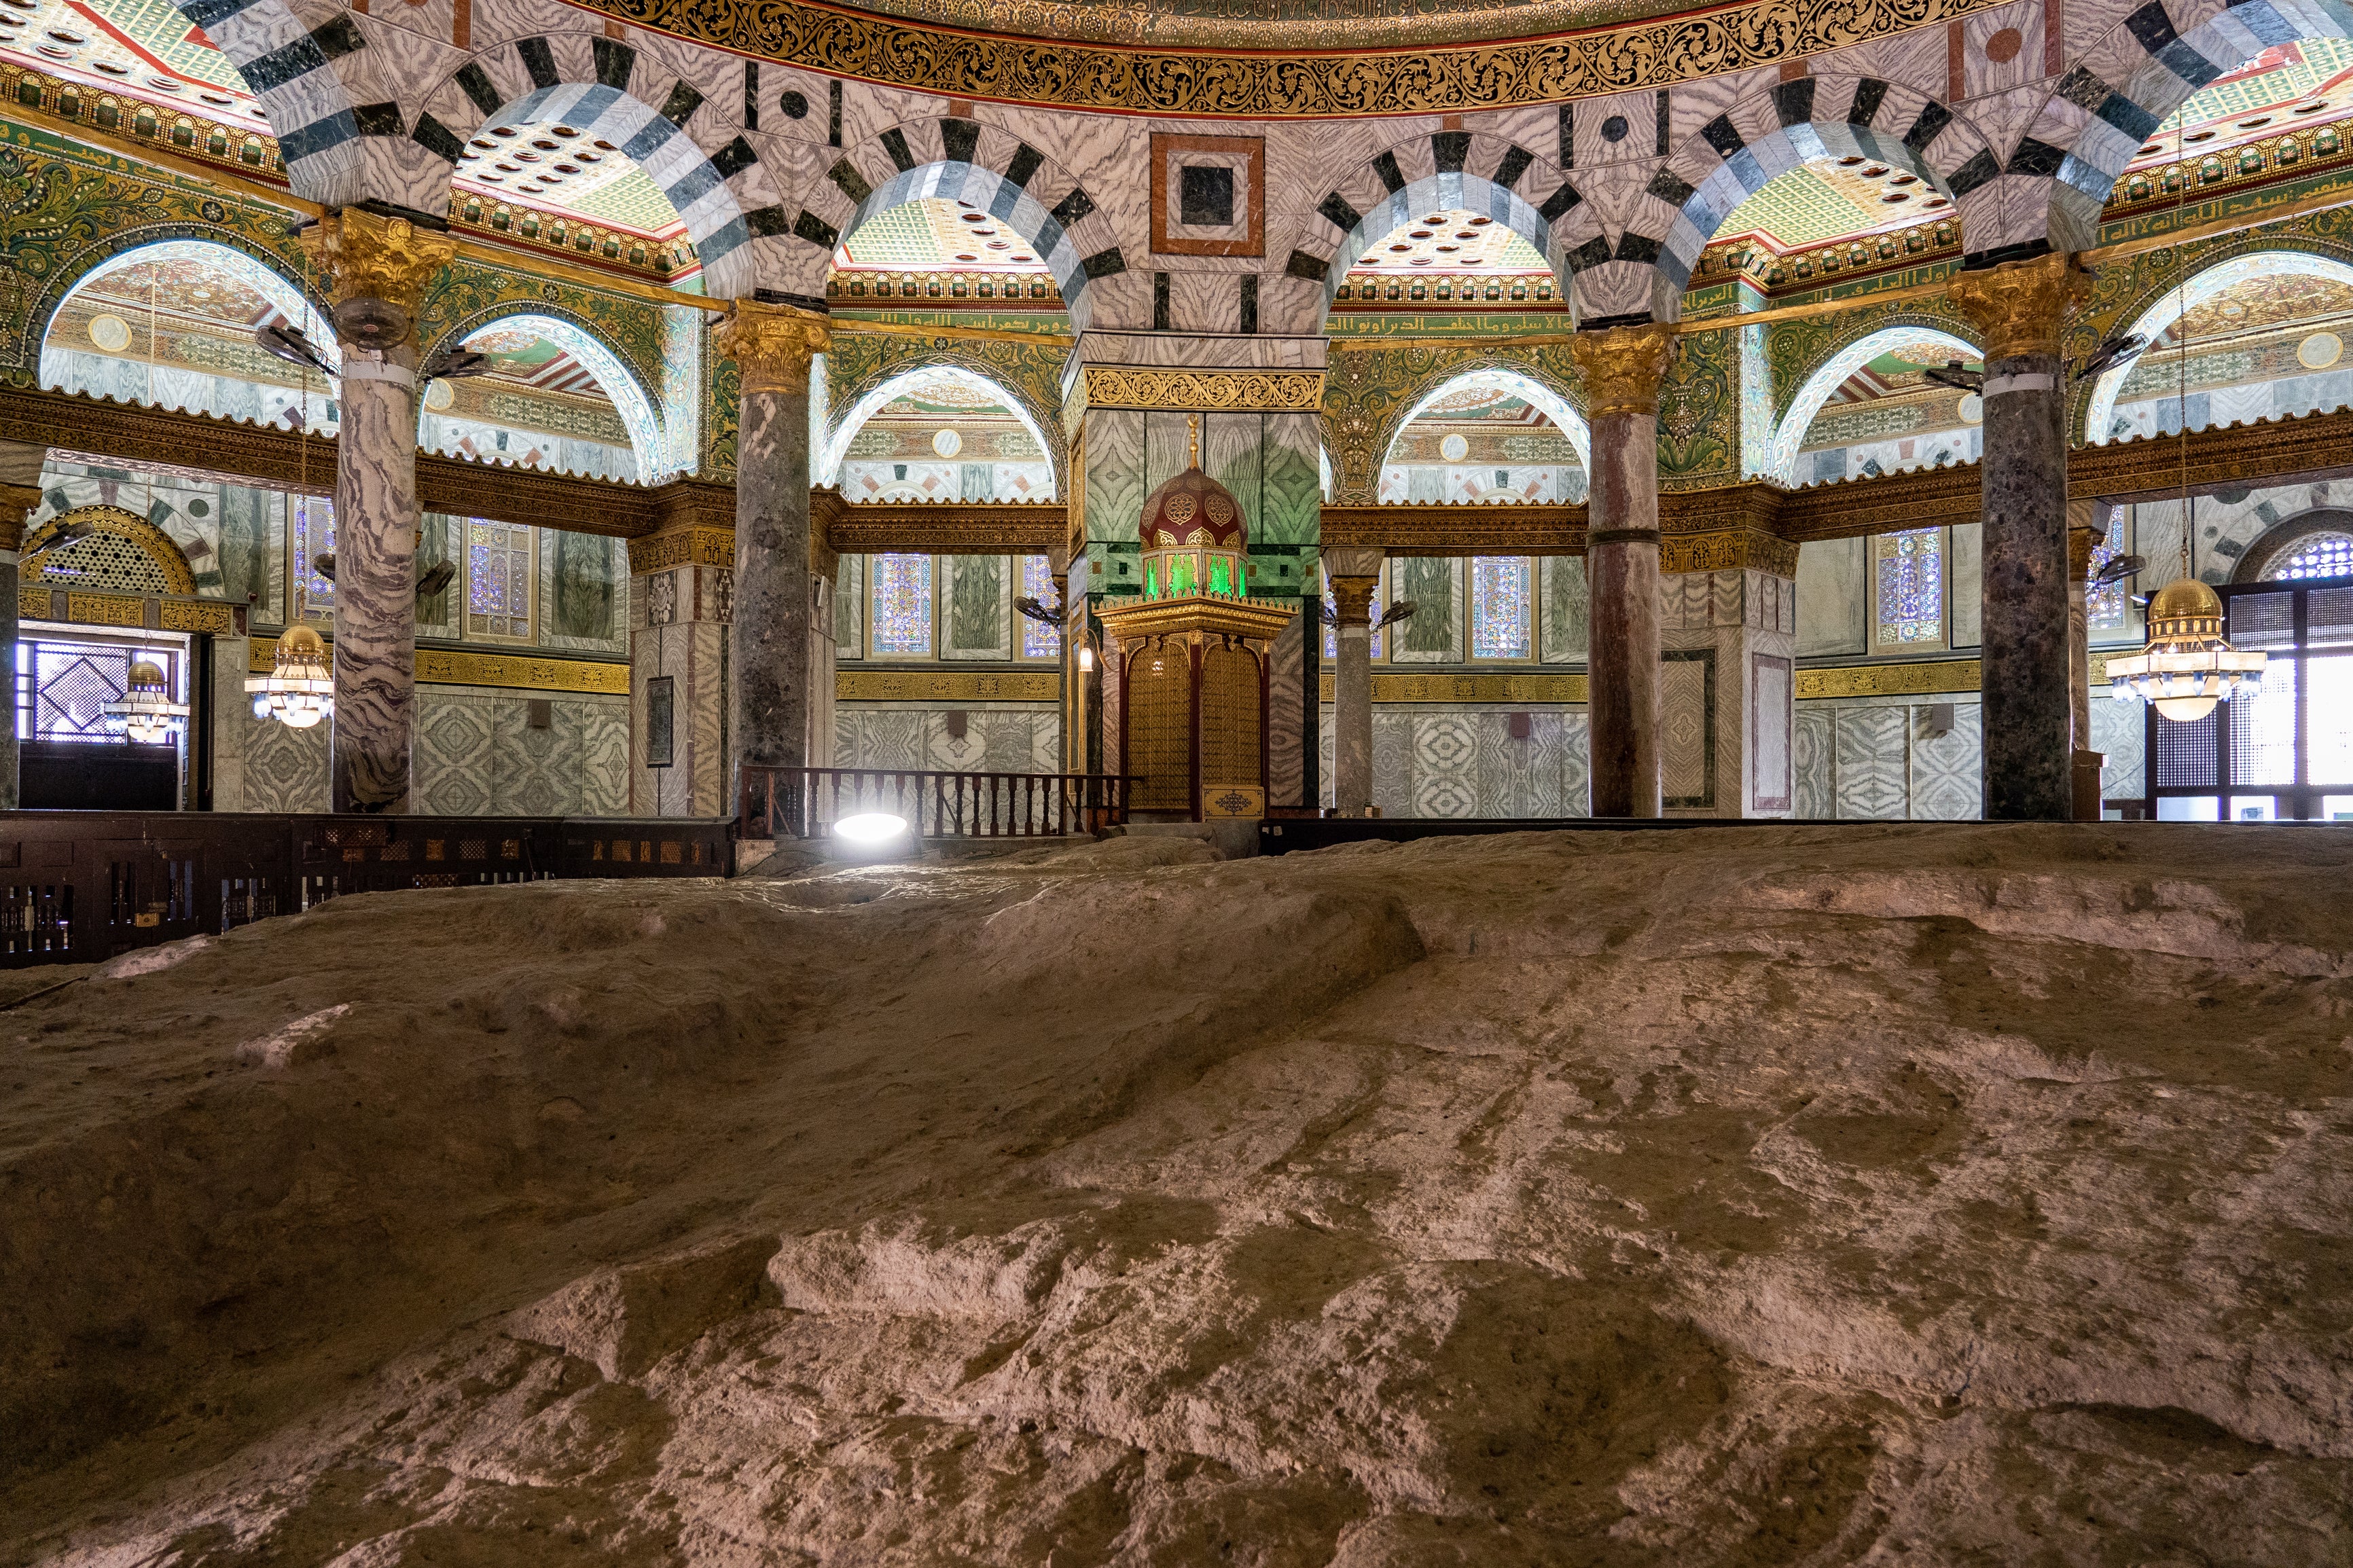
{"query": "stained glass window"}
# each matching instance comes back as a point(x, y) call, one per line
point(902, 605)
point(313, 530)
point(2321, 555)
point(1039, 640)
point(1503, 606)
point(2109, 607)
point(498, 579)
point(1911, 587)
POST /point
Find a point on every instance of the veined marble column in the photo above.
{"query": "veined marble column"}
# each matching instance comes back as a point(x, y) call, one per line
point(1623, 367)
point(824, 648)
point(2019, 309)
point(1356, 576)
point(375, 269)
point(771, 346)
point(17, 504)
point(2087, 524)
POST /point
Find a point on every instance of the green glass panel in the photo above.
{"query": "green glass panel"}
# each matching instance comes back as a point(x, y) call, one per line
point(1218, 581)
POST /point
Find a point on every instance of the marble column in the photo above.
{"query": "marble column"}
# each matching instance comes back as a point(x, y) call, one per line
point(1623, 369)
point(825, 651)
point(2087, 525)
point(1355, 577)
point(2019, 310)
point(17, 504)
point(375, 269)
point(771, 346)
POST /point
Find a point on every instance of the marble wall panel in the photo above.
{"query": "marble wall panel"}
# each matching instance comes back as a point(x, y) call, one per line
point(1817, 774)
point(1947, 769)
point(1868, 746)
point(1833, 598)
point(1461, 760)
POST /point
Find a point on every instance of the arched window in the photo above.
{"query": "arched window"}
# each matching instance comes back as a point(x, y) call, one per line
point(2329, 554)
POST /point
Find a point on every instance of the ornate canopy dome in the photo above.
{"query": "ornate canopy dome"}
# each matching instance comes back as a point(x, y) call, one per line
point(1192, 509)
point(1194, 539)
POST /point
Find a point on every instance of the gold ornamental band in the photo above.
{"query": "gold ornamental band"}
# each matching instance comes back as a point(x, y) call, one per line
point(947, 686)
point(1413, 79)
point(522, 672)
point(40, 602)
point(1390, 686)
point(1223, 391)
point(681, 547)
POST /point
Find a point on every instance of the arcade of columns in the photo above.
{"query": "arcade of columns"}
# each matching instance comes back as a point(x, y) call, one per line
point(779, 623)
point(763, 591)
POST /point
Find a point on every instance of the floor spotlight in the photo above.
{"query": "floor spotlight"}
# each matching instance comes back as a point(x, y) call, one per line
point(872, 836)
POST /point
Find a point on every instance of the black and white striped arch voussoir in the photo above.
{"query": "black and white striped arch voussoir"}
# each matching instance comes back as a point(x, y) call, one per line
point(1768, 134)
point(631, 103)
point(989, 169)
point(291, 69)
point(1449, 171)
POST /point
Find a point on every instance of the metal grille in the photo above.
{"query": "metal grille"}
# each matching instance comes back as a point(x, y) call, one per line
point(72, 684)
point(2186, 757)
point(2322, 555)
point(1160, 726)
point(2265, 621)
point(2329, 617)
point(1230, 718)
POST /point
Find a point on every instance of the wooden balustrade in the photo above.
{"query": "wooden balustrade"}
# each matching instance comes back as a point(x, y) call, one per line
point(805, 802)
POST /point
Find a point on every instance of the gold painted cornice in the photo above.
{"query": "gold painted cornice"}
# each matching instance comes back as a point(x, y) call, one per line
point(2021, 307)
point(151, 612)
point(938, 528)
point(1285, 82)
point(1224, 391)
point(694, 546)
point(1622, 367)
point(1133, 618)
point(363, 254)
point(772, 345)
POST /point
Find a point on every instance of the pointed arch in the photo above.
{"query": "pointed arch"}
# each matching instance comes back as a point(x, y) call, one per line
point(1779, 129)
point(1462, 171)
point(964, 160)
point(174, 242)
point(2169, 305)
point(1832, 372)
point(1514, 379)
point(826, 469)
point(629, 396)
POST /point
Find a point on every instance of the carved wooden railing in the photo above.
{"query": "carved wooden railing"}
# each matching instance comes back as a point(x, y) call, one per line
point(805, 802)
point(79, 887)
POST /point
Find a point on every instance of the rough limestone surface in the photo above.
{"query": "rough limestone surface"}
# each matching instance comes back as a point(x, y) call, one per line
point(1968, 1196)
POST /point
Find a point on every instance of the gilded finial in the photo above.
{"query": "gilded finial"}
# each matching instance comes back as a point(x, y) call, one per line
point(1193, 424)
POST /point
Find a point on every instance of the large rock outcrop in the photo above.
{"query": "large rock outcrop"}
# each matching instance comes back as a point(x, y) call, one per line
point(1768, 1196)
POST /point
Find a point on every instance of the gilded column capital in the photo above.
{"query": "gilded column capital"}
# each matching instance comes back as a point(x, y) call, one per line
point(1623, 367)
point(1352, 597)
point(2021, 307)
point(365, 254)
point(17, 504)
point(772, 344)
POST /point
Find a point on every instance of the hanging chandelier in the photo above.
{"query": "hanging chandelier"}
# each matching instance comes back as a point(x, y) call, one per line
point(2189, 666)
point(145, 713)
point(299, 691)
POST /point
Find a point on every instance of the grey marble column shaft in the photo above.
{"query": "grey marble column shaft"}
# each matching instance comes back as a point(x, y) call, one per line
point(1621, 574)
point(770, 656)
point(2027, 629)
point(1352, 721)
point(376, 517)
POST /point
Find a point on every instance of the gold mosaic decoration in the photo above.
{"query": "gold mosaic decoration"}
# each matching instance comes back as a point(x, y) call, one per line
point(1117, 386)
point(1411, 80)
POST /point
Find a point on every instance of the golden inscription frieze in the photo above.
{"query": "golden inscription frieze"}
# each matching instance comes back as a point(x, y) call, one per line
point(681, 547)
point(947, 686)
point(1226, 391)
point(1486, 686)
point(1281, 83)
point(515, 671)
